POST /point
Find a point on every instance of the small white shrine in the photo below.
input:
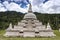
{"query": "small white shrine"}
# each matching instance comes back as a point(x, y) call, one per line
point(59, 29)
point(29, 27)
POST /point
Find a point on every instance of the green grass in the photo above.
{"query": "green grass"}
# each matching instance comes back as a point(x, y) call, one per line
point(20, 38)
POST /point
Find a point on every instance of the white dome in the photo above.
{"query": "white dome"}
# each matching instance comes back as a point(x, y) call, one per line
point(30, 15)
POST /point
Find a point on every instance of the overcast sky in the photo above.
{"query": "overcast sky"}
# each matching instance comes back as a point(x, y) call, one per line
point(43, 6)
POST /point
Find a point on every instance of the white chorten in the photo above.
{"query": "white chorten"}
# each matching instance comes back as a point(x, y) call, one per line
point(48, 27)
point(29, 27)
point(59, 29)
point(10, 26)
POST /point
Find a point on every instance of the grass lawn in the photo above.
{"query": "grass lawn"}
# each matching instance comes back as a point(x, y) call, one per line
point(19, 38)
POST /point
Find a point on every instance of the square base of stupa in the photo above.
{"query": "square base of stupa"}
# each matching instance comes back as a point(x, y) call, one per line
point(29, 27)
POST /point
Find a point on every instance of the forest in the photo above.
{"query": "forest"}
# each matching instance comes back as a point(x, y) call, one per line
point(14, 17)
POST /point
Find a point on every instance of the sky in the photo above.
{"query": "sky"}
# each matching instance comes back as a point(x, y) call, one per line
point(41, 6)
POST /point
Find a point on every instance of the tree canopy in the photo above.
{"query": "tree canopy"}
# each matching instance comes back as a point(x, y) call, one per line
point(14, 17)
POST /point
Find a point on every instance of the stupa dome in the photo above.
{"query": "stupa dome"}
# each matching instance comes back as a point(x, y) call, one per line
point(30, 16)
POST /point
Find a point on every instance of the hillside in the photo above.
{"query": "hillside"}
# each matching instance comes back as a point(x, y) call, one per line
point(13, 17)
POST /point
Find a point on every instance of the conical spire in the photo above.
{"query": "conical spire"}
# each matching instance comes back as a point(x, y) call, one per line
point(30, 8)
point(10, 26)
point(48, 26)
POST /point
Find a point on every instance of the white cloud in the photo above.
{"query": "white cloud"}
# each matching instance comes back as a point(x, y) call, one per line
point(37, 2)
point(14, 7)
point(2, 8)
point(51, 6)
